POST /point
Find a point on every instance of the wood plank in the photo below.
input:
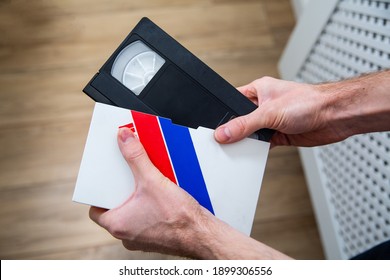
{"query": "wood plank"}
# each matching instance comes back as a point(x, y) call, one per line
point(42, 219)
point(41, 154)
point(33, 230)
point(242, 67)
point(30, 97)
point(296, 236)
point(114, 251)
point(49, 50)
point(279, 199)
point(88, 39)
point(284, 192)
point(279, 14)
point(36, 98)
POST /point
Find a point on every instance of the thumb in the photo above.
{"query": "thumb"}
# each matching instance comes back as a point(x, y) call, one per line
point(134, 153)
point(239, 128)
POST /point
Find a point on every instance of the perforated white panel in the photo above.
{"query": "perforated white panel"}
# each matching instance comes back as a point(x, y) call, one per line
point(356, 172)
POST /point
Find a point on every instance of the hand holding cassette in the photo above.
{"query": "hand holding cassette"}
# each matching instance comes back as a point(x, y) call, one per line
point(152, 73)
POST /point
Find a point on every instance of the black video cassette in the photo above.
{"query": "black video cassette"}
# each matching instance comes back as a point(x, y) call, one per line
point(152, 73)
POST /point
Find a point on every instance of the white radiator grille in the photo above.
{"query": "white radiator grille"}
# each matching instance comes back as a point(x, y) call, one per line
point(356, 172)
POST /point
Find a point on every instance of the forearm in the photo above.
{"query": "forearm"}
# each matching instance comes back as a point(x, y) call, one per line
point(359, 105)
point(215, 239)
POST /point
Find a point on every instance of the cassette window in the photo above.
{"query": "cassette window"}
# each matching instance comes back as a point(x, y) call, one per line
point(136, 65)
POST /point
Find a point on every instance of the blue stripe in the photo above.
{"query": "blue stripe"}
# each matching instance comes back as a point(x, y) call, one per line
point(185, 162)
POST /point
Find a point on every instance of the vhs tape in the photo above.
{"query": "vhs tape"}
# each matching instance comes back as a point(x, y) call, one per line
point(152, 73)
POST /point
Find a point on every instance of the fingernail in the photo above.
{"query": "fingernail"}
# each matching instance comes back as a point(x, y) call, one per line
point(126, 135)
point(224, 134)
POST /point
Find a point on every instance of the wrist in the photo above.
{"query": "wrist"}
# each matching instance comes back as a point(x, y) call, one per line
point(217, 240)
point(358, 105)
point(340, 112)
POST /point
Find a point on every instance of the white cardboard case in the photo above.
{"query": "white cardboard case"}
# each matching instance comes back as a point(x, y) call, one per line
point(232, 173)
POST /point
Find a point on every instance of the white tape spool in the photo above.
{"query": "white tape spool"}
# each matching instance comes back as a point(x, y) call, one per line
point(136, 65)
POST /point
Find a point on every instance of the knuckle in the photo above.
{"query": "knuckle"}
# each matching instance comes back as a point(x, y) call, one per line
point(129, 245)
point(92, 216)
point(134, 153)
point(265, 79)
point(116, 229)
point(152, 181)
point(264, 82)
point(241, 125)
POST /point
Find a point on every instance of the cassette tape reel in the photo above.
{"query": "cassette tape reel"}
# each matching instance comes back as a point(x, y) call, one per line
point(151, 72)
point(136, 65)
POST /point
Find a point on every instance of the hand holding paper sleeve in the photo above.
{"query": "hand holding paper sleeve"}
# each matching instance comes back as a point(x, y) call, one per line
point(156, 213)
point(161, 217)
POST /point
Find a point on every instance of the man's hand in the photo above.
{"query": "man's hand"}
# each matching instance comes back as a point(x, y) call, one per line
point(159, 216)
point(312, 115)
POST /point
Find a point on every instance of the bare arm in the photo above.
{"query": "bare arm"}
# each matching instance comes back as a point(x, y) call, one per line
point(312, 115)
point(162, 217)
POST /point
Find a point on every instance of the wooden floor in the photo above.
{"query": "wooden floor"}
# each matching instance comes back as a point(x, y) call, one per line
point(49, 50)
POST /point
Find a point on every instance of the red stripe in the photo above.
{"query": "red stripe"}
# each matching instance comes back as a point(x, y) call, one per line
point(129, 125)
point(151, 138)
